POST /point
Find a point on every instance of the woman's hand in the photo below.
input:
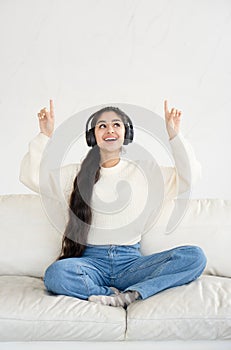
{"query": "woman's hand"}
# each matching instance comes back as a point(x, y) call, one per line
point(172, 120)
point(46, 119)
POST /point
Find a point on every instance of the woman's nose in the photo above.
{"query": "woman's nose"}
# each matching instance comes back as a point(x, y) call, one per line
point(110, 128)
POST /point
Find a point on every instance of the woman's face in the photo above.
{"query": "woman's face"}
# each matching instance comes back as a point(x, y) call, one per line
point(109, 131)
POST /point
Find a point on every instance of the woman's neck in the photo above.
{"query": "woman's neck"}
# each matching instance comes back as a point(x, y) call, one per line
point(109, 160)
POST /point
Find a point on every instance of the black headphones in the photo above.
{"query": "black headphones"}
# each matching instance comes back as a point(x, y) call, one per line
point(128, 135)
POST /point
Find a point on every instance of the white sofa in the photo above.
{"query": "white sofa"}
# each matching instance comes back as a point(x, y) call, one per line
point(199, 311)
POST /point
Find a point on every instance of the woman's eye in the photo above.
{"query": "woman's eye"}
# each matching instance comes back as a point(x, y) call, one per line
point(104, 125)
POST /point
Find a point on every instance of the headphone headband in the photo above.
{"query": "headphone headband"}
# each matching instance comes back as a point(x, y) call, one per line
point(92, 116)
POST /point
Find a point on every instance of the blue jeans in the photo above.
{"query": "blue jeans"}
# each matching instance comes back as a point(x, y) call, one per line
point(125, 268)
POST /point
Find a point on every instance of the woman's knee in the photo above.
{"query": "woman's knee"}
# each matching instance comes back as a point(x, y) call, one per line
point(54, 276)
point(196, 257)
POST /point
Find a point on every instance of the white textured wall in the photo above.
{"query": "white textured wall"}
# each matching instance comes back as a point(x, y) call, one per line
point(92, 52)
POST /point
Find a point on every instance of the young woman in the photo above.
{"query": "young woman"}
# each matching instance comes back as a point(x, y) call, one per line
point(100, 259)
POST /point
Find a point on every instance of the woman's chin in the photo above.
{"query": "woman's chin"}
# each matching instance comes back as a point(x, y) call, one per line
point(110, 147)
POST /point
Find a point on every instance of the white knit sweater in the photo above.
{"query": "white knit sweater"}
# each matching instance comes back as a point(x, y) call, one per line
point(126, 199)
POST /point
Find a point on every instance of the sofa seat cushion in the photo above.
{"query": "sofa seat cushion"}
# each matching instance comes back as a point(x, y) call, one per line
point(28, 312)
point(197, 311)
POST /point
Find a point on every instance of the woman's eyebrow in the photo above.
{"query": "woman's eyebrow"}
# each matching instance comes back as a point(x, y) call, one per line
point(104, 121)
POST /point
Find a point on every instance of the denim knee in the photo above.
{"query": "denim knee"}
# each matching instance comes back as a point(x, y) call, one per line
point(201, 257)
point(53, 276)
point(198, 257)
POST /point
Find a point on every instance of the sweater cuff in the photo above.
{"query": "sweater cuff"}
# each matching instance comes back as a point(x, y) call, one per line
point(44, 137)
point(176, 138)
point(40, 140)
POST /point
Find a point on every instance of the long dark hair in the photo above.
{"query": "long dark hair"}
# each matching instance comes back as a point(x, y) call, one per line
point(80, 214)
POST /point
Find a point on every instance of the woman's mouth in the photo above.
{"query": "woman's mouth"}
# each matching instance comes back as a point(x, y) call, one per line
point(110, 139)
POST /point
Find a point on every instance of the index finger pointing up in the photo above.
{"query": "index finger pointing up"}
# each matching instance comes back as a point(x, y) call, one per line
point(165, 106)
point(52, 108)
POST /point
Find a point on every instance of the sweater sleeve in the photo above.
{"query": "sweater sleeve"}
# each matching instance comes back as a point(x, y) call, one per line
point(30, 164)
point(187, 170)
point(30, 171)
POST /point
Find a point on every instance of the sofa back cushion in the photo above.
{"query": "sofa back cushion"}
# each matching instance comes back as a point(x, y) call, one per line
point(206, 223)
point(29, 243)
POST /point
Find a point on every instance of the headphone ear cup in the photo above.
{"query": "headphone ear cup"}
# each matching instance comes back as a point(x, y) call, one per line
point(131, 133)
point(128, 135)
point(90, 138)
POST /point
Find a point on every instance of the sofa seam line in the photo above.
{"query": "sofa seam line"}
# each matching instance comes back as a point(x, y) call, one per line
point(181, 318)
point(55, 320)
